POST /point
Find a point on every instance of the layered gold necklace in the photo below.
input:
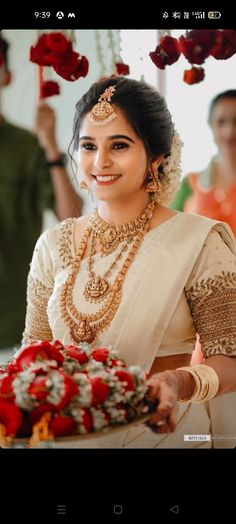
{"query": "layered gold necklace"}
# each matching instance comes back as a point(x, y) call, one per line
point(85, 327)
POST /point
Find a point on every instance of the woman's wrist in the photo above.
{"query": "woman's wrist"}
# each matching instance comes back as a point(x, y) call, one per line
point(181, 381)
point(186, 384)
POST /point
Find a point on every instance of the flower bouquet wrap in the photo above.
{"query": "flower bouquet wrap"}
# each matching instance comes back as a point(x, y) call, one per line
point(49, 391)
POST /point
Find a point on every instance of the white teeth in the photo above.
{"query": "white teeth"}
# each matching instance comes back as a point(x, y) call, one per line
point(107, 178)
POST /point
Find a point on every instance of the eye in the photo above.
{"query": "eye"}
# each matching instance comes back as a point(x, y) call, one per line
point(119, 145)
point(88, 146)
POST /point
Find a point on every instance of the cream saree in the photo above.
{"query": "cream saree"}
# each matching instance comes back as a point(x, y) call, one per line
point(183, 276)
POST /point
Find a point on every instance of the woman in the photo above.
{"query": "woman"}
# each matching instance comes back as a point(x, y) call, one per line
point(137, 275)
point(212, 192)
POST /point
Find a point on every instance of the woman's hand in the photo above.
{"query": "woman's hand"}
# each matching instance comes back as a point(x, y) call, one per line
point(164, 389)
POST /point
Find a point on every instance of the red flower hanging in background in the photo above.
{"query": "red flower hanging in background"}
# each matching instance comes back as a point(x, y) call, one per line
point(194, 75)
point(122, 69)
point(167, 53)
point(75, 67)
point(196, 45)
point(55, 50)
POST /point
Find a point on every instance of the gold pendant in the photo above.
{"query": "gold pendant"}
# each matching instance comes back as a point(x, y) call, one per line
point(83, 332)
point(96, 289)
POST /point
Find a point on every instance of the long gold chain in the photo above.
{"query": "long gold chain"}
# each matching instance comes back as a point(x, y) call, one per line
point(98, 287)
point(85, 327)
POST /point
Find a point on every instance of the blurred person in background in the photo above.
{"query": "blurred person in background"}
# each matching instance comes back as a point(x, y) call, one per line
point(212, 192)
point(33, 178)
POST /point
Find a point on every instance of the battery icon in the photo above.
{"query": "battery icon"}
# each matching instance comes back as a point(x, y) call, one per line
point(214, 14)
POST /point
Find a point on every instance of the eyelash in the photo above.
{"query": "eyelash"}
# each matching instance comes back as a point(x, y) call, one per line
point(91, 147)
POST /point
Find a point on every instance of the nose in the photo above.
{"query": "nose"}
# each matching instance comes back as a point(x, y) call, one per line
point(102, 159)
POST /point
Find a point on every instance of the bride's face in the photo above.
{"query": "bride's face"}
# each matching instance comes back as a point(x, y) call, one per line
point(112, 158)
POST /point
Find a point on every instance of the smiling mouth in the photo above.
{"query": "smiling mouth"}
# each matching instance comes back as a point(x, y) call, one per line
point(106, 178)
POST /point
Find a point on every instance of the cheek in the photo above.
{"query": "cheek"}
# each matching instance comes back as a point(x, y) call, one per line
point(84, 161)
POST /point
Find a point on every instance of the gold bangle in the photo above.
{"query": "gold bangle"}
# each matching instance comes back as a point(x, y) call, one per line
point(206, 383)
point(210, 379)
point(197, 381)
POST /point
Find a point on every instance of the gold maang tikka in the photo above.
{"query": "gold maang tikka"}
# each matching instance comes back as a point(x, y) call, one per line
point(103, 112)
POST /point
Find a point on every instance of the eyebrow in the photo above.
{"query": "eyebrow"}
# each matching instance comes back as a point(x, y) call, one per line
point(113, 137)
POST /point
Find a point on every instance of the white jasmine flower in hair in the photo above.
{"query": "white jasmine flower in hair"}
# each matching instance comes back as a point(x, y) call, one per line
point(170, 171)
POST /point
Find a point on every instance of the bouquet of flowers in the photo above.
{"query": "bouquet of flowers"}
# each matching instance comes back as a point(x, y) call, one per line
point(49, 390)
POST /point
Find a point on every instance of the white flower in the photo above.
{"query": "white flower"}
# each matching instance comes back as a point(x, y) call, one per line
point(170, 171)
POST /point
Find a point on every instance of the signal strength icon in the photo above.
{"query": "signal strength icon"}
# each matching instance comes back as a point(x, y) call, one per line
point(199, 14)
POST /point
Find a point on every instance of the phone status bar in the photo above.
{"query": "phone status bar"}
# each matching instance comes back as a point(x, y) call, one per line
point(80, 18)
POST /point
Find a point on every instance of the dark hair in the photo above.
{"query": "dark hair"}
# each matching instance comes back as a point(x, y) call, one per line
point(231, 93)
point(4, 50)
point(144, 107)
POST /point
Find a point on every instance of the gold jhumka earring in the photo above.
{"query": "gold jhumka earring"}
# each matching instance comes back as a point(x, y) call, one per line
point(103, 112)
point(153, 185)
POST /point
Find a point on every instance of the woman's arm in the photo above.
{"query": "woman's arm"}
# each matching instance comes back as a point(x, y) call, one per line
point(211, 296)
point(39, 289)
point(169, 387)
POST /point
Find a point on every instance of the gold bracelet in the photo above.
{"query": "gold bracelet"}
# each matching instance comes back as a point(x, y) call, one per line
point(206, 383)
point(210, 379)
point(197, 381)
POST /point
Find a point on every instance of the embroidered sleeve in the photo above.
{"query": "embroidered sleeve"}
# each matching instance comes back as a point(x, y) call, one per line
point(211, 294)
point(39, 289)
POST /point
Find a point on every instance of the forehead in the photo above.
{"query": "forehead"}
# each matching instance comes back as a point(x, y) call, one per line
point(119, 126)
point(226, 107)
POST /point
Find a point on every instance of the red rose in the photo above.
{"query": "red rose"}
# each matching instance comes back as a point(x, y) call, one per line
point(58, 345)
point(87, 420)
point(71, 389)
point(166, 53)
point(36, 352)
point(39, 388)
point(122, 69)
point(49, 88)
point(51, 50)
point(225, 45)
point(12, 367)
point(101, 355)
point(231, 35)
point(62, 425)
point(115, 362)
point(100, 390)
point(75, 66)
point(77, 354)
point(11, 417)
point(39, 51)
point(196, 45)
point(194, 75)
point(126, 378)
point(6, 388)
point(58, 43)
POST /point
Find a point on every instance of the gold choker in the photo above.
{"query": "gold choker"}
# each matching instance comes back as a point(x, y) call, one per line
point(110, 236)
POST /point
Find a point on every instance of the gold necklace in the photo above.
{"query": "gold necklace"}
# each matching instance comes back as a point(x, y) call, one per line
point(110, 236)
point(85, 327)
point(98, 287)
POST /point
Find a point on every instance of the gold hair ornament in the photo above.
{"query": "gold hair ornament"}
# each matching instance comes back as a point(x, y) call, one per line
point(103, 112)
